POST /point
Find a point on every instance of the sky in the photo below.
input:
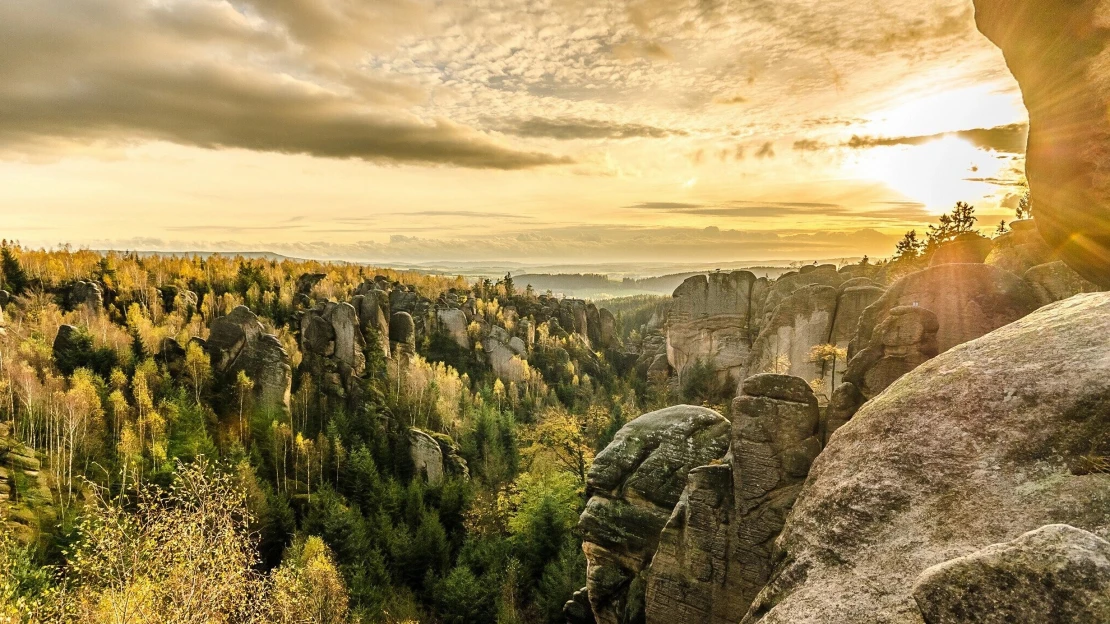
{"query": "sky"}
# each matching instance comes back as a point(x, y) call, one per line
point(541, 131)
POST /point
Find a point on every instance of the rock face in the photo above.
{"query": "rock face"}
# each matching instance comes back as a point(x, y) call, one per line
point(1058, 54)
point(402, 332)
point(427, 458)
point(714, 554)
point(1056, 281)
point(634, 485)
point(979, 445)
point(453, 323)
point(964, 249)
point(236, 343)
point(26, 503)
point(1054, 574)
point(372, 305)
point(810, 316)
point(969, 300)
point(506, 354)
point(1020, 249)
point(333, 346)
point(87, 294)
point(711, 320)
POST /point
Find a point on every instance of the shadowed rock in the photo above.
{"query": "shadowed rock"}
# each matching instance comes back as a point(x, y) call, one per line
point(236, 342)
point(1058, 53)
point(634, 485)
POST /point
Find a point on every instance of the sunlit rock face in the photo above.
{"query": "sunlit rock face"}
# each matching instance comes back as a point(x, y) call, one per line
point(1058, 53)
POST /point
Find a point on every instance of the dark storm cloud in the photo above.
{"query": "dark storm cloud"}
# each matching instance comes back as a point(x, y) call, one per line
point(1009, 139)
point(117, 72)
point(576, 128)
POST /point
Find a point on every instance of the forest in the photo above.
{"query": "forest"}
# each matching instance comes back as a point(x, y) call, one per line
point(170, 492)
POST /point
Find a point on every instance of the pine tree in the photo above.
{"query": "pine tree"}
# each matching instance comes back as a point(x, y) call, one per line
point(15, 278)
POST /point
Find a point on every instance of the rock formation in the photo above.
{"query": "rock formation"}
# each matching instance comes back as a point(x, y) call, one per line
point(26, 502)
point(1056, 281)
point(714, 554)
point(993, 438)
point(1058, 54)
point(1054, 574)
point(372, 305)
point(236, 342)
point(633, 486)
point(970, 248)
point(711, 320)
point(90, 295)
point(402, 333)
point(333, 347)
point(506, 354)
point(453, 323)
point(427, 458)
point(1020, 249)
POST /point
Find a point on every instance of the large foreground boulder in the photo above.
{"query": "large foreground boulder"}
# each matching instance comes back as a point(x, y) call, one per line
point(1058, 52)
point(977, 446)
point(634, 485)
point(1057, 574)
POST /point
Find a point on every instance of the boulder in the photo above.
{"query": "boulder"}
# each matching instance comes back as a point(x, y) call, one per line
point(307, 281)
point(87, 294)
point(71, 345)
point(453, 323)
point(236, 342)
point(968, 248)
point(402, 330)
point(1052, 575)
point(453, 462)
point(1058, 54)
point(969, 300)
point(1020, 249)
point(977, 446)
point(427, 457)
point(1056, 280)
point(634, 485)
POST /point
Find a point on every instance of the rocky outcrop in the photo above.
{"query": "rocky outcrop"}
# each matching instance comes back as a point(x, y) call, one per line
point(453, 323)
point(1058, 54)
point(977, 446)
point(1020, 249)
point(333, 347)
point(26, 503)
point(86, 295)
point(402, 333)
point(968, 248)
point(236, 342)
point(1056, 281)
point(307, 281)
point(1054, 574)
point(634, 485)
point(372, 305)
point(714, 554)
point(453, 463)
point(506, 353)
point(710, 320)
point(811, 316)
point(788, 283)
point(427, 458)
point(969, 300)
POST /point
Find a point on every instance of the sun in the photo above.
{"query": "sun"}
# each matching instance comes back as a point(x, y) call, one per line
point(937, 173)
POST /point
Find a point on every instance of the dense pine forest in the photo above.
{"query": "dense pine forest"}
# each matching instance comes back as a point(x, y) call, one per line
point(151, 477)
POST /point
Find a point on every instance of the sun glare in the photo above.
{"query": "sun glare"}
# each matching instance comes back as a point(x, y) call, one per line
point(938, 173)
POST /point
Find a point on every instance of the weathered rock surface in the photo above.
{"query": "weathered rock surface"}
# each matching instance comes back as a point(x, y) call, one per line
point(427, 457)
point(1056, 281)
point(453, 323)
point(714, 554)
point(979, 445)
point(236, 342)
point(402, 332)
point(1058, 54)
point(634, 485)
point(1020, 249)
point(372, 305)
point(1057, 574)
point(90, 295)
point(710, 320)
point(506, 354)
point(964, 249)
point(333, 347)
point(969, 300)
point(26, 503)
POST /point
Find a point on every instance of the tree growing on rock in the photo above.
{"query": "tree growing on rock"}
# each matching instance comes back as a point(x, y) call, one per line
point(827, 355)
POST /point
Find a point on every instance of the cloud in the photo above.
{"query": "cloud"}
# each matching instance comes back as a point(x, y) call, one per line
point(730, 99)
point(115, 72)
point(767, 150)
point(897, 212)
point(808, 145)
point(577, 128)
point(1009, 139)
